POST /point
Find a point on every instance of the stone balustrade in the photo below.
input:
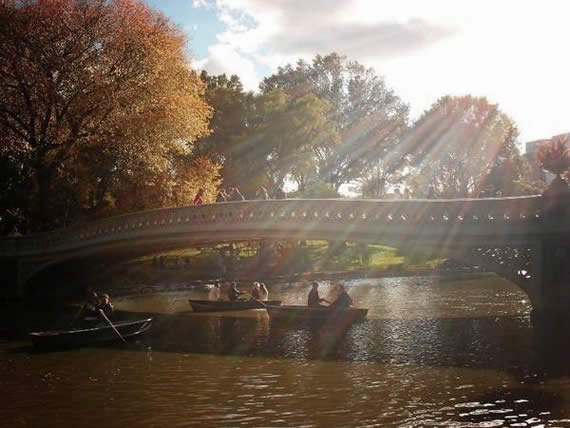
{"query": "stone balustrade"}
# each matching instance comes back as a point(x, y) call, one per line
point(489, 216)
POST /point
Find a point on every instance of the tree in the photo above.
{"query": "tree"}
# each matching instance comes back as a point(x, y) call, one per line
point(463, 144)
point(370, 118)
point(95, 95)
point(232, 108)
point(555, 156)
point(283, 132)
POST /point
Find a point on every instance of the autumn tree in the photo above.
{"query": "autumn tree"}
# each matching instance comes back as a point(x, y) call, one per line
point(555, 156)
point(370, 118)
point(459, 143)
point(97, 97)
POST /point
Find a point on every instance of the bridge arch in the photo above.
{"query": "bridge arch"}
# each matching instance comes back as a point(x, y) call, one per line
point(506, 235)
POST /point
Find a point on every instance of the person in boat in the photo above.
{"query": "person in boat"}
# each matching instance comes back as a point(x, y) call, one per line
point(89, 309)
point(224, 290)
point(315, 300)
point(234, 293)
point(263, 292)
point(255, 291)
point(215, 294)
point(343, 301)
point(105, 305)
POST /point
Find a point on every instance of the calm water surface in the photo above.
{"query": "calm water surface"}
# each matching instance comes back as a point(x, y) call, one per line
point(431, 353)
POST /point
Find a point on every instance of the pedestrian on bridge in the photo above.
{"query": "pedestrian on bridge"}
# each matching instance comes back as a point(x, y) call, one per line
point(199, 199)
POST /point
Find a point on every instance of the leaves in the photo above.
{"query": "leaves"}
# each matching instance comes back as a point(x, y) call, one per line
point(456, 145)
point(96, 95)
point(369, 117)
point(555, 156)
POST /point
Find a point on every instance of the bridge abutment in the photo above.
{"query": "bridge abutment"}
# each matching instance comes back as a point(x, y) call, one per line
point(555, 258)
point(554, 299)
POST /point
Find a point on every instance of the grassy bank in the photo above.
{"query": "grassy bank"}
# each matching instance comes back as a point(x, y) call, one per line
point(266, 261)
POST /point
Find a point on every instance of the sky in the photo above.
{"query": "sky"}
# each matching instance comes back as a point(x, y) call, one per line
point(515, 53)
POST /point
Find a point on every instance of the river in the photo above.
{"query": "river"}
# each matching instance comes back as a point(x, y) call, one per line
point(432, 352)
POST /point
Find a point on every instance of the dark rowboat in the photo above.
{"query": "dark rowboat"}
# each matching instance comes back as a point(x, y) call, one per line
point(294, 313)
point(220, 305)
point(87, 336)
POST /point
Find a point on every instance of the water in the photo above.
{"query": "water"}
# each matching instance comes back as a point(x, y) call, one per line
point(432, 353)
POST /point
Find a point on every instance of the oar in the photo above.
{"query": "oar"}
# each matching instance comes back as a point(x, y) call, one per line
point(111, 324)
point(76, 316)
point(257, 300)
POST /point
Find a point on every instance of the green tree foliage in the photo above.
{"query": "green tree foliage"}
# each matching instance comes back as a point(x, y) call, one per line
point(97, 98)
point(463, 145)
point(282, 133)
point(369, 117)
point(232, 108)
point(316, 191)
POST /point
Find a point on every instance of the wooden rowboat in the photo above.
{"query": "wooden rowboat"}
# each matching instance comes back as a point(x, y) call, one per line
point(293, 313)
point(87, 336)
point(220, 305)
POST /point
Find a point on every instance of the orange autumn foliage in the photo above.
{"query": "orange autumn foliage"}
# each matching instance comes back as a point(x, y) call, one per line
point(98, 97)
point(555, 156)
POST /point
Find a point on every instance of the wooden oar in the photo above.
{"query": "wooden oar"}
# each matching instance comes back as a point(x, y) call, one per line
point(76, 317)
point(111, 324)
point(257, 300)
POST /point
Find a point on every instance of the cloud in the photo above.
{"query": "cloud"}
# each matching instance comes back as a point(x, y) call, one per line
point(303, 27)
point(365, 40)
point(507, 51)
point(224, 58)
point(275, 32)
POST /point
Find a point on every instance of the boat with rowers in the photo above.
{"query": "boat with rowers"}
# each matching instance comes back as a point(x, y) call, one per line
point(222, 305)
point(89, 335)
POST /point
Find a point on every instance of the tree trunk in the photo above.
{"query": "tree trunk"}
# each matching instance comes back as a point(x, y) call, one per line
point(44, 176)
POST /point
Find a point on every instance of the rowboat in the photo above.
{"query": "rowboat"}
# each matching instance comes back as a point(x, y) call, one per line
point(293, 313)
point(238, 305)
point(87, 336)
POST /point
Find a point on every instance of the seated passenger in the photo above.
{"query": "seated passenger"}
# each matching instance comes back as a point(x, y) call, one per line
point(89, 309)
point(215, 294)
point(224, 290)
point(255, 291)
point(343, 301)
point(264, 292)
point(314, 300)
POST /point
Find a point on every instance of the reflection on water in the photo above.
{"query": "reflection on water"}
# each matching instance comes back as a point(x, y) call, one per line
point(454, 353)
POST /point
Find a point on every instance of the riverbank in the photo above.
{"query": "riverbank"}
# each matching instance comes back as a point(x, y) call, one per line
point(270, 262)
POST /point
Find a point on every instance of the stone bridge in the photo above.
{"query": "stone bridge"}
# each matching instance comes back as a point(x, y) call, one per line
point(524, 239)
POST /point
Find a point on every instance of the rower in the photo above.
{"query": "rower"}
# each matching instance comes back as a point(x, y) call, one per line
point(314, 300)
point(343, 301)
point(105, 305)
point(234, 293)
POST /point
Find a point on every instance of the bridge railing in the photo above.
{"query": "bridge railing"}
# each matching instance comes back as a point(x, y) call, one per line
point(494, 213)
